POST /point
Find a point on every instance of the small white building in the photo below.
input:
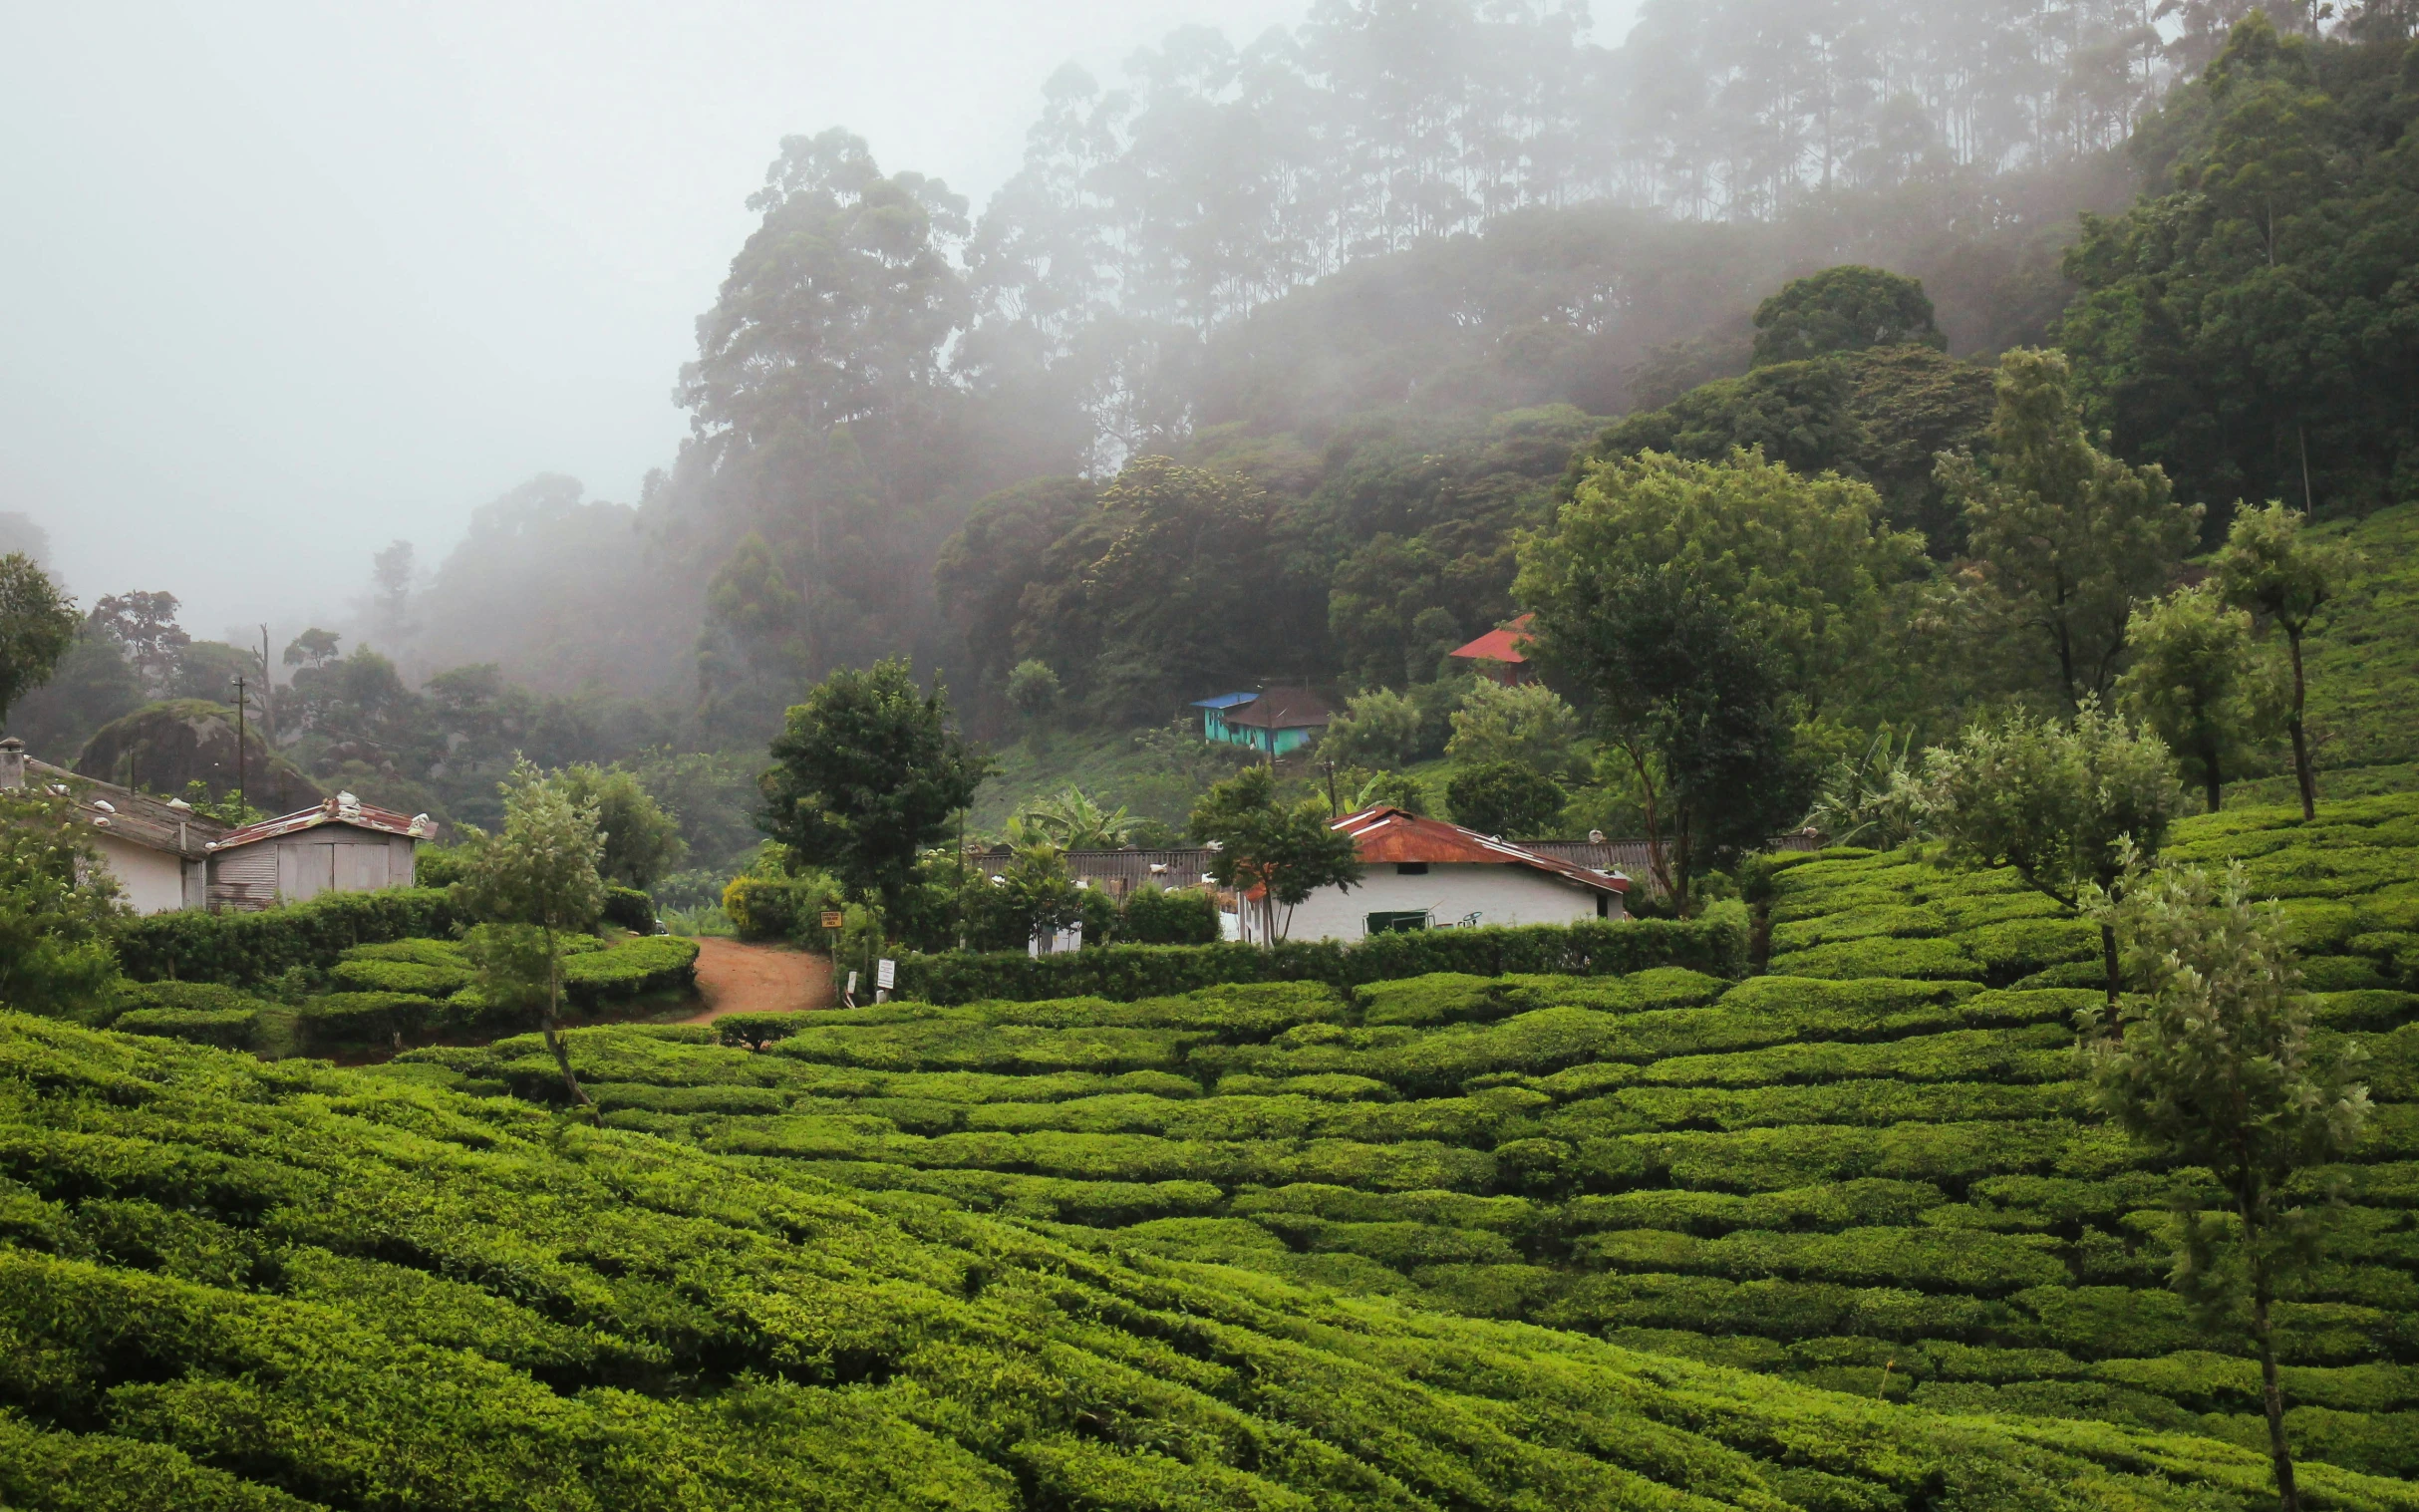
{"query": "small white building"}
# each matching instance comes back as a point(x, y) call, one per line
point(158, 850)
point(341, 845)
point(1422, 873)
point(165, 858)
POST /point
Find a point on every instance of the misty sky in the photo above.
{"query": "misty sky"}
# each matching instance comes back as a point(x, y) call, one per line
point(284, 281)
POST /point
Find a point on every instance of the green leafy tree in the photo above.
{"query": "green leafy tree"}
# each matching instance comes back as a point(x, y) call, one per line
point(2243, 324)
point(1381, 726)
point(2197, 682)
point(1037, 890)
point(1285, 852)
point(1804, 568)
point(1874, 797)
point(2065, 805)
point(642, 841)
point(1389, 789)
point(866, 772)
point(37, 627)
point(58, 904)
point(2288, 581)
point(145, 626)
point(1033, 691)
point(1506, 798)
point(1844, 309)
point(2066, 537)
point(1692, 705)
point(538, 877)
point(1529, 726)
point(2213, 1066)
point(1071, 820)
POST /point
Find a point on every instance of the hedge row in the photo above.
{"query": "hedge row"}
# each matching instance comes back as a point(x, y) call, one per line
point(1715, 944)
point(245, 949)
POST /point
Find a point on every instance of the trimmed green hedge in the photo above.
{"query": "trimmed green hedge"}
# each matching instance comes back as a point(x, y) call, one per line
point(225, 1028)
point(242, 949)
point(1717, 944)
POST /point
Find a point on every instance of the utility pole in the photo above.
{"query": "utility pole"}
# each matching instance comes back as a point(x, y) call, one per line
point(242, 803)
point(268, 689)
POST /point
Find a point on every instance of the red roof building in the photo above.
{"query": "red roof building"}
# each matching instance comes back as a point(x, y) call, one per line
point(1422, 873)
point(1499, 653)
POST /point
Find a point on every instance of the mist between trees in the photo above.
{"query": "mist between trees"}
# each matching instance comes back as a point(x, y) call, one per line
point(1261, 366)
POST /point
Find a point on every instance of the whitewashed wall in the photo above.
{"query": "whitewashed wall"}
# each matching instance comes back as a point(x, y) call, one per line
point(151, 881)
point(1449, 892)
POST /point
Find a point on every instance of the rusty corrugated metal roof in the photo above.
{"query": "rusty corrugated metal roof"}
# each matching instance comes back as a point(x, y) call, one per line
point(1499, 645)
point(343, 808)
point(1386, 833)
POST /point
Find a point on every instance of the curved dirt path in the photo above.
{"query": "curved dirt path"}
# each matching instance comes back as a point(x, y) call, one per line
point(735, 978)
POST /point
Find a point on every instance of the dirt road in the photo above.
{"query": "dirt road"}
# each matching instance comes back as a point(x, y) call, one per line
point(758, 979)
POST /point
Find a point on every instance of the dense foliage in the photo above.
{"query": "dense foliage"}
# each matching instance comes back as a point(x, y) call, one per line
point(2248, 324)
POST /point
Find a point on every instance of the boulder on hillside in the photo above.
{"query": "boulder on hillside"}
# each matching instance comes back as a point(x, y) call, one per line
point(163, 747)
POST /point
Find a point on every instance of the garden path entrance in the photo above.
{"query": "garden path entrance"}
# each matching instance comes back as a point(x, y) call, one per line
point(736, 978)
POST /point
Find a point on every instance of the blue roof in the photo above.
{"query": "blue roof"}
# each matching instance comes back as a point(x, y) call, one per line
point(1225, 701)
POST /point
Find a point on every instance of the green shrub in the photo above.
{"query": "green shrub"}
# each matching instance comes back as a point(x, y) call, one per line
point(338, 1022)
point(246, 949)
point(227, 1028)
point(373, 976)
point(631, 909)
point(1152, 916)
point(1880, 957)
point(631, 968)
point(780, 908)
point(196, 997)
point(755, 1031)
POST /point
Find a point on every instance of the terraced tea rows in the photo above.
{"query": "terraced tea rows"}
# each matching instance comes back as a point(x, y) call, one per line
point(231, 1285)
point(1871, 1170)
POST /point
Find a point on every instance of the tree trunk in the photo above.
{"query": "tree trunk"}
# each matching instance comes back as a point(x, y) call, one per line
point(552, 1023)
point(2108, 962)
point(2287, 1497)
point(2212, 777)
point(2292, 723)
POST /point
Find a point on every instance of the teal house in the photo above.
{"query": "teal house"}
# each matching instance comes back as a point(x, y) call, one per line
point(1274, 719)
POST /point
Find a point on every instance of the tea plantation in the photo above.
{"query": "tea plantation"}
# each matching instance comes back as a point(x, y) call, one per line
point(1870, 1170)
point(1836, 1237)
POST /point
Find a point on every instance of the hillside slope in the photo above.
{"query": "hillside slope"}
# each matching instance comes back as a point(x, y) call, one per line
point(1870, 1171)
point(225, 1284)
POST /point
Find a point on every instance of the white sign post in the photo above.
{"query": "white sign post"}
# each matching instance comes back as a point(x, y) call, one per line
point(885, 976)
point(848, 994)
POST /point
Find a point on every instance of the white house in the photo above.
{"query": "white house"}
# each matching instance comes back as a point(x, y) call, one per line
point(1421, 873)
point(157, 849)
point(164, 857)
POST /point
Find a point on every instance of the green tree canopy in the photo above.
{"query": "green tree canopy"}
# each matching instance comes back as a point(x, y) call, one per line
point(1284, 852)
point(1529, 725)
point(642, 841)
point(2066, 537)
point(867, 770)
point(2247, 325)
point(537, 879)
point(37, 627)
point(1805, 568)
point(2214, 1067)
point(1509, 799)
point(2067, 806)
point(1843, 309)
point(2287, 580)
point(2197, 682)
point(58, 904)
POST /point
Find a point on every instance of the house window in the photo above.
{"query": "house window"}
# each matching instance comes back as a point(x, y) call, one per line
point(1410, 869)
point(1397, 923)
